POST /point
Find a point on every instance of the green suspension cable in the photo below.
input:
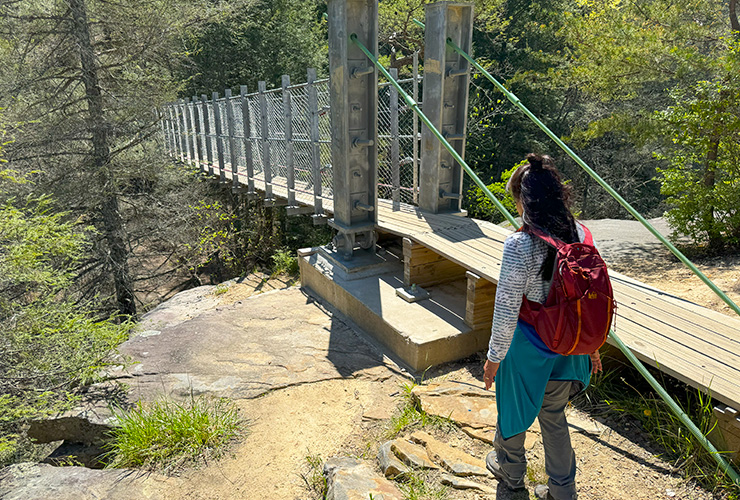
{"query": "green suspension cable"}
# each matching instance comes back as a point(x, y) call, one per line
point(724, 465)
point(413, 105)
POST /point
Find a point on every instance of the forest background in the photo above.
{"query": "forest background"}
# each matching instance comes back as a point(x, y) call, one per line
point(97, 226)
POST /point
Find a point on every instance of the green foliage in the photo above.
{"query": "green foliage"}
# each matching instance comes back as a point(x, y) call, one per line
point(483, 208)
point(284, 262)
point(246, 41)
point(49, 340)
point(166, 434)
point(702, 175)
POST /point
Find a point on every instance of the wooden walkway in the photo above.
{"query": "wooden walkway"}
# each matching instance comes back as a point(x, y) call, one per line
point(699, 346)
point(694, 344)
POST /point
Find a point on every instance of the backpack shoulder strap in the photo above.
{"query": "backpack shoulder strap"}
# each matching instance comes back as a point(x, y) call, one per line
point(588, 239)
point(553, 242)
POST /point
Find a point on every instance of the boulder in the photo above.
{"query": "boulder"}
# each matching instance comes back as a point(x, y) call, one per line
point(30, 481)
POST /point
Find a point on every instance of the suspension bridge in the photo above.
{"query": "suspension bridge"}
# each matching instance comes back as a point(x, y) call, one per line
point(387, 175)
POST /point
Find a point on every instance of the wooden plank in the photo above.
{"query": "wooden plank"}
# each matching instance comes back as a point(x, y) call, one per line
point(687, 312)
point(729, 357)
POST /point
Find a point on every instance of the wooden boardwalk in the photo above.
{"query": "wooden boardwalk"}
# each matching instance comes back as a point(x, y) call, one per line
point(696, 345)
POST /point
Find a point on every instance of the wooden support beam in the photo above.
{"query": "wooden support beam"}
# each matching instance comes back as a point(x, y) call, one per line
point(423, 267)
point(480, 298)
point(728, 437)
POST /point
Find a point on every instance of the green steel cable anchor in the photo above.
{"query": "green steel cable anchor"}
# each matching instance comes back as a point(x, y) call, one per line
point(724, 465)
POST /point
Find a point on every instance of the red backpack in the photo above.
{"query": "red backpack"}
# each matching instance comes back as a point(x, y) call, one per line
point(578, 311)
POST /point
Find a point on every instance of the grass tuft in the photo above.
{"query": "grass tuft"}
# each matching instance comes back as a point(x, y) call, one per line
point(417, 485)
point(411, 416)
point(166, 434)
point(314, 478)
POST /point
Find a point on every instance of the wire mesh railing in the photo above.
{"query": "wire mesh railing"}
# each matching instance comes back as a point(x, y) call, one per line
point(279, 140)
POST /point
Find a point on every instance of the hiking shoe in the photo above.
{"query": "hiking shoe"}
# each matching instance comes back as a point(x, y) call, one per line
point(542, 492)
point(495, 469)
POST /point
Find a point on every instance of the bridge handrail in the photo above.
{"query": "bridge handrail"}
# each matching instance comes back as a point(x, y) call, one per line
point(724, 465)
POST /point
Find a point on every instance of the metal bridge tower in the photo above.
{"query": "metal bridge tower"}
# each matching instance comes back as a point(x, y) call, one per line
point(354, 107)
point(445, 103)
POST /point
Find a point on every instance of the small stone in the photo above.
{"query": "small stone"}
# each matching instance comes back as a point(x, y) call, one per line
point(465, 484)
point(389, 464)
point(670, 493)
point(412, 455)
point(485, 434)
point(351, 479)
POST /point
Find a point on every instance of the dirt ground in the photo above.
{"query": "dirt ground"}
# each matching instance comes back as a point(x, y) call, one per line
point(291, 427)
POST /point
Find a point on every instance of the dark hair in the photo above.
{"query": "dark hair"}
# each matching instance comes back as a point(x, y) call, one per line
point(545, 202)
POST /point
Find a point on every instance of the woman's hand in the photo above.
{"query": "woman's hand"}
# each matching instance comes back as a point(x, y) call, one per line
point(489, 373)
point(596, 362)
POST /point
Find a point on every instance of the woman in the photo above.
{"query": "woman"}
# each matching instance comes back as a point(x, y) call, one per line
point(531, 381)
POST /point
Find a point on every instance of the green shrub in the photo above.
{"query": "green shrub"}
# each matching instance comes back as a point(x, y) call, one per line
point(284, 261)
point(483, 208)
point(166, 434)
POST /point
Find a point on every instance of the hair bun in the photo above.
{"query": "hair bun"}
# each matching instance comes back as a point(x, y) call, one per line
point(535, 161)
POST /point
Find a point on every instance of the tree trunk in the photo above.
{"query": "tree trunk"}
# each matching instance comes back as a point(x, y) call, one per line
point(734, 21)
point(113, 230)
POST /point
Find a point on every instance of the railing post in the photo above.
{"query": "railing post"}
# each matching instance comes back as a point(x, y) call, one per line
point(207, 131)
point(195, 127)
point(247, 139)
point(202, 138)
point(188, 129)
point(266, 161)
point(171, 130)
point(219, 132)
point(354, 109)
point(446, 76)
point(395, 160)
point(415, 130)
point(232, 141)
point(313, 116)
point(180, 131)
point(288, 130)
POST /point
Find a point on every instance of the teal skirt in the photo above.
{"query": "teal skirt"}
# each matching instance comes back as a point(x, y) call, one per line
point(522, 377)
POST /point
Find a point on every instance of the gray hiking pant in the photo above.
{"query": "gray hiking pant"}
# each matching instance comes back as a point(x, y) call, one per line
point(560, 460)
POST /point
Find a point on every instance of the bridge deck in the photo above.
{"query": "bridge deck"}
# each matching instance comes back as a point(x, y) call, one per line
point(699, 346)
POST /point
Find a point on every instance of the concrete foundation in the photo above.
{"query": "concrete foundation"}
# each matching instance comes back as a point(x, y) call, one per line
point(422, 334)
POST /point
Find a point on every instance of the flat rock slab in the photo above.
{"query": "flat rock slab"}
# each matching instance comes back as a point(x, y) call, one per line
point(262, 343)
point(465, 484)
point(465, 404)
point(351, 479)
point(29, 481)
point(453, 459)
point(411, 454)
